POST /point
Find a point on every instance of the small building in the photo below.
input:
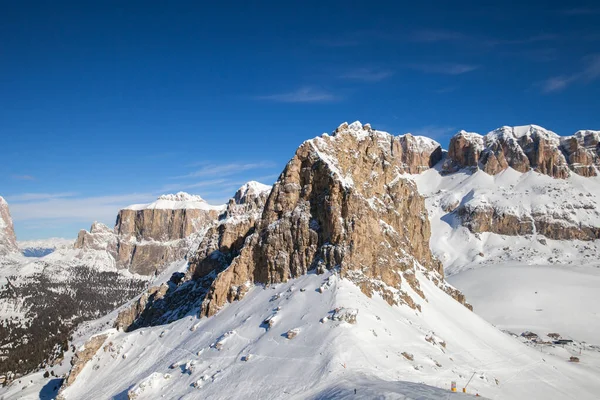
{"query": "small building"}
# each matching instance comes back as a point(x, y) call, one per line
point(554, 336)
point(574, 359)
point(529, 335)
point(563, 341)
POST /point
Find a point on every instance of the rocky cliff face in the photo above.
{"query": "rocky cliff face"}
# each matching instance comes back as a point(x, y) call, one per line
point(153, 235)
point(99, 237)
point(147, 237)
point(524, 148)
point(8, 240)
point(221, 242)
point(342, 203)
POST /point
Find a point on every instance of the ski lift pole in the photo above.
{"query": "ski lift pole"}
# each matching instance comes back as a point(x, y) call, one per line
point(465, 388)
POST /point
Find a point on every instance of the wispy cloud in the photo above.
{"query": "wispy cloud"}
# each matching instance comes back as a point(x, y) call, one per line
point(23, 177)
point(443, 90)
point(59, 206)
point(225, 169)
point(434, 35)
point(366, 74)
point(306, 94)
point(580, 11)
point(39, 196)
point(444, 68)
point(434, 131)
point(544, 37)
point(339, 42)
point(590, 73)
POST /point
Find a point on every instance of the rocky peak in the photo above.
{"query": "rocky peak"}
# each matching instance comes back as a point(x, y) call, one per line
point(522, 148)
point(99, 237)
point(8, 240)
point(341, 202)
point(250, 191)
point(152, 235)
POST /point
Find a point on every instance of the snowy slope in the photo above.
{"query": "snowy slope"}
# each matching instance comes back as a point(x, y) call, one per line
point(570, 202)
point(43, 247)
point(541, 298)
point(180, 200)
point(190, 357)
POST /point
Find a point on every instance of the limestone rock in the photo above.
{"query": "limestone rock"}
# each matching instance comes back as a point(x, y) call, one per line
point(99, 237)
point(341, 202)
point(524, 148)
point(153, 235)
point(8, 240)
point(147, 237)
point(581, 151)
point(83, 356)
point(221, 242)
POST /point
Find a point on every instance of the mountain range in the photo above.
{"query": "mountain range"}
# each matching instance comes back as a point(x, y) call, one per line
point(331, 283)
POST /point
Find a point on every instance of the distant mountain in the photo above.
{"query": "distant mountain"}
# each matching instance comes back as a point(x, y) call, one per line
point(43, 247)
point(8, 240)
point(61, 283)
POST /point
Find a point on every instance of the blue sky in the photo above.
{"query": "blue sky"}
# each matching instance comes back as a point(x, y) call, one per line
point(110, 103)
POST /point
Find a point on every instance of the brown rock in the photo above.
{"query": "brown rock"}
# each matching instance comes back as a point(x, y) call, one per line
point(331, 208)
point(82, 357)
point(8, 240)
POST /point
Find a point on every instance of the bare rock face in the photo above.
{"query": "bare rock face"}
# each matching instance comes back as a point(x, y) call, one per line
point(341, 202)
point(99, 237)
point(82, 357)
point(489, 219)
point(8, 240)
point(464, 151)
point(417, 153)
point(224, 240)
point(151, 236)
point(221, 242)
point(581, 151)
point(147, 237)
point(522, 148)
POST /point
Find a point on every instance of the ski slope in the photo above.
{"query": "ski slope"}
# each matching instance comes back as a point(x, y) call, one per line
point(539, 298)
point(193, 358)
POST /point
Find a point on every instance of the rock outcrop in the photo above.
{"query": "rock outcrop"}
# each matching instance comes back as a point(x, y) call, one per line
point(83, 356)
point(99, 237)
point(8, 240)
point(147, 237)
point(581, 151)
point(524, 148)
point(341, 202)
point(152, 235)
point(221, 242)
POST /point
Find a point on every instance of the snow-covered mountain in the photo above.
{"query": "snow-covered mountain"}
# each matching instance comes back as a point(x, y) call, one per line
point(332, 283)
point(43, 300)
point(43, 247)
point(8, 240)
point(148, 237)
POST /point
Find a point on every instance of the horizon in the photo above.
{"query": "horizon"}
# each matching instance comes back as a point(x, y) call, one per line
point(111, 106)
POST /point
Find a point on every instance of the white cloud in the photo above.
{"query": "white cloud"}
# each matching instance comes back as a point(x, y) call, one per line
point(307, 94)
point(444, 68)
point(222, 170)
point(367, 74)
point(39, 196)
point(434, 131)
point(589, 73)
point(57, 206)
point(433, 36)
